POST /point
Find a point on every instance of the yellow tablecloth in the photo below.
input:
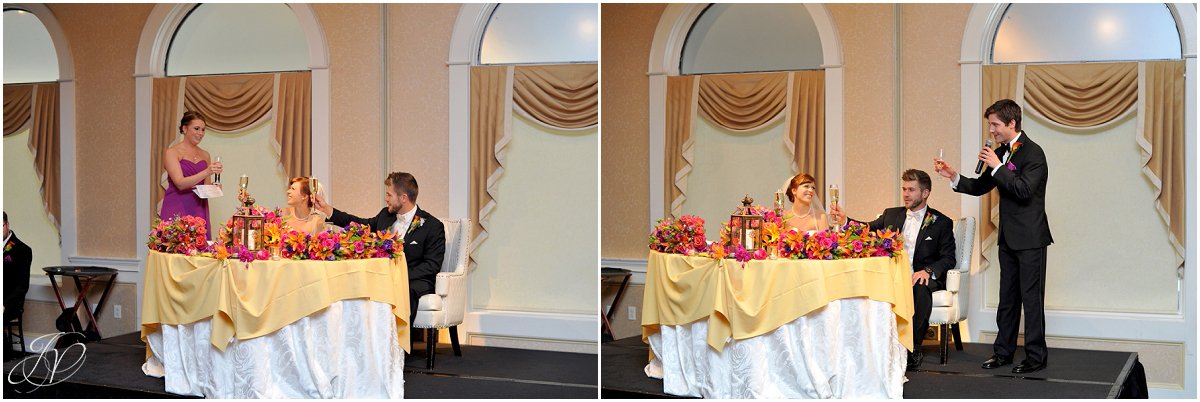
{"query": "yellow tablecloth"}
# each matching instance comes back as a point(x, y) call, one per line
point(248, 300)
point(766, 294)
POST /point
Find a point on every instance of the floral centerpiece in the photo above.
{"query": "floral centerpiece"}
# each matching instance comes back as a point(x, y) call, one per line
point(186, 235)
point(682, 236)
point(853, 240)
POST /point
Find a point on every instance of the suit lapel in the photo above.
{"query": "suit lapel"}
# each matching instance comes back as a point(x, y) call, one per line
point(929, 217)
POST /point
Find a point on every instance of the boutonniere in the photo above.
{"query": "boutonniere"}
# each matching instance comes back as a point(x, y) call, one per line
point(929, 218)
point(8, 247)
point(416, 223)
point(1016, 146)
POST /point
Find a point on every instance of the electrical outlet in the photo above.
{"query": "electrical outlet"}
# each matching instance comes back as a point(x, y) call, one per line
point(632, 313)
point(117, 311)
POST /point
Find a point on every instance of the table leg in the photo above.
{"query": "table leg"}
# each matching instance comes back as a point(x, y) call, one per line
point(82, 300)
point(57, 294)
point(617, 298)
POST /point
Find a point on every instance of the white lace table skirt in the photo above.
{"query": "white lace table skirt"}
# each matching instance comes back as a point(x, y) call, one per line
point(348, 350)
point(848, 349)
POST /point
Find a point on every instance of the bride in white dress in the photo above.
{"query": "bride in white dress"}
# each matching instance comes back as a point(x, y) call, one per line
point(807, 213)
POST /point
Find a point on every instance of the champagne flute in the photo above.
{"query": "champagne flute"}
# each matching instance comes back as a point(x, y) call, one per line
point(217, 176)
point(834, 195)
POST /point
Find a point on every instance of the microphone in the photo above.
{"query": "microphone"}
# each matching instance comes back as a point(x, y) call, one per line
point(979, 167)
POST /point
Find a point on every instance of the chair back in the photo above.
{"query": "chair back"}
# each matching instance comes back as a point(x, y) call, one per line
point(964, 243)
point(458, 239)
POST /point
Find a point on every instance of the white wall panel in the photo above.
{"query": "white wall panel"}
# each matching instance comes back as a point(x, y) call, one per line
point(541, 253)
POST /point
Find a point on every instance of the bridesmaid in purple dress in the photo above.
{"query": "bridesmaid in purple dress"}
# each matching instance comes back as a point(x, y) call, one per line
point(187, 166)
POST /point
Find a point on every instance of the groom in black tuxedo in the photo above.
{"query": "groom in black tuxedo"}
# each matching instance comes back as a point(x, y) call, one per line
point(929, 243)
point(1018, 170)
point(423, 235)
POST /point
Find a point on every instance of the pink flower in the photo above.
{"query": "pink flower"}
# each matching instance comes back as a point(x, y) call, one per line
point(760, 254)
point(1011, 167)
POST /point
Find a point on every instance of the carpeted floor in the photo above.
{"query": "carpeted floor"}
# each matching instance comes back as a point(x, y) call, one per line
point(1071, 373)
point(112, 369)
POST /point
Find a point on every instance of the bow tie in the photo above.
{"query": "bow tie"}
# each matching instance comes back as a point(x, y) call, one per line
point(914, 215)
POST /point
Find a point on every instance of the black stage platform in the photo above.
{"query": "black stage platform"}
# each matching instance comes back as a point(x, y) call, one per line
point(113, 369)
point(1071, 373)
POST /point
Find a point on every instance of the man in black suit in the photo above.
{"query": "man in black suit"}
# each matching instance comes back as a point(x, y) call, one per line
point(929, 243)
point(1018, 170)
point(423, 235)
point(17, 259)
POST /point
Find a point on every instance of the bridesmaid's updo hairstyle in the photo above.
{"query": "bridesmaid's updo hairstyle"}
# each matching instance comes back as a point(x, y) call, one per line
point(188, 117)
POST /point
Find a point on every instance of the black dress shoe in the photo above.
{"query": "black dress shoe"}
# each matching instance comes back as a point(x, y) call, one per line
point(914, 360)
point(997, 361)
point(1028, 367)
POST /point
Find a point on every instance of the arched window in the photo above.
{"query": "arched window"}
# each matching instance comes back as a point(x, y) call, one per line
point(1036, 33)
point(542, 197)
point(238, 38)
point(735, 38)
point(1066, 64)
point(28, 52)
point(541, 34)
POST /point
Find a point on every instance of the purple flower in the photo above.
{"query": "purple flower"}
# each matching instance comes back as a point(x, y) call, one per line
point(1011, 167)
point(244, 255)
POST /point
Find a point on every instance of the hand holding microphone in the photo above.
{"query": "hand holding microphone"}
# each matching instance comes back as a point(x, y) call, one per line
point(987, 156)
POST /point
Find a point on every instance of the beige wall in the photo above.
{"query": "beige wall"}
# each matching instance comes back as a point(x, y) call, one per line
point(929, 40)
point(418, 79)
point(352, 33)
point(931, 92)
point(626, 33)
point(103, 40)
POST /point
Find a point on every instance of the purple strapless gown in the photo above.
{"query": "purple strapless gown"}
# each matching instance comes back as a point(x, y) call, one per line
point(185, 202)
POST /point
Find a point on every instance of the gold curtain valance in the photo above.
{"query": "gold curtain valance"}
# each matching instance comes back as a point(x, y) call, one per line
point(1081, 95)
point(742, 101)
point(17, 107)
point(562, 96)
point(229, 102)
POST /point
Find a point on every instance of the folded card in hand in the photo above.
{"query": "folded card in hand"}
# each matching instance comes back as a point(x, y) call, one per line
point(208, 191)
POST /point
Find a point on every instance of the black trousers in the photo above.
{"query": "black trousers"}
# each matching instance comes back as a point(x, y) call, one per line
point(922, 307)
point(1022, 286)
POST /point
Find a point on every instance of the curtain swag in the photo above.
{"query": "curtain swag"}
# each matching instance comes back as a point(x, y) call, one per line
point(741, 102)
point(35, 106)
point(231, 103)
point(1094, 94)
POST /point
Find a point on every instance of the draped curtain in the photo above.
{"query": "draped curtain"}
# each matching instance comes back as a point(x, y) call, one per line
point(231, 103)
point(35, 106)
point(741, 102)
point(1094, 94)
point(557, 96)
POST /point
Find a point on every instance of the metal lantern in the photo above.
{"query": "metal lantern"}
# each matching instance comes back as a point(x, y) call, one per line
point(745, 226)
point(248, 231)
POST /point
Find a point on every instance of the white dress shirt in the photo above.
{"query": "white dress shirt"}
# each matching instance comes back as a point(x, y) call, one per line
point(912, 225)
point(403, 221)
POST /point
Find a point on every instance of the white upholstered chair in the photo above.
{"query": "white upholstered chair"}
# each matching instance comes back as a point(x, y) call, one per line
point(950, 305)
point(446, 306)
